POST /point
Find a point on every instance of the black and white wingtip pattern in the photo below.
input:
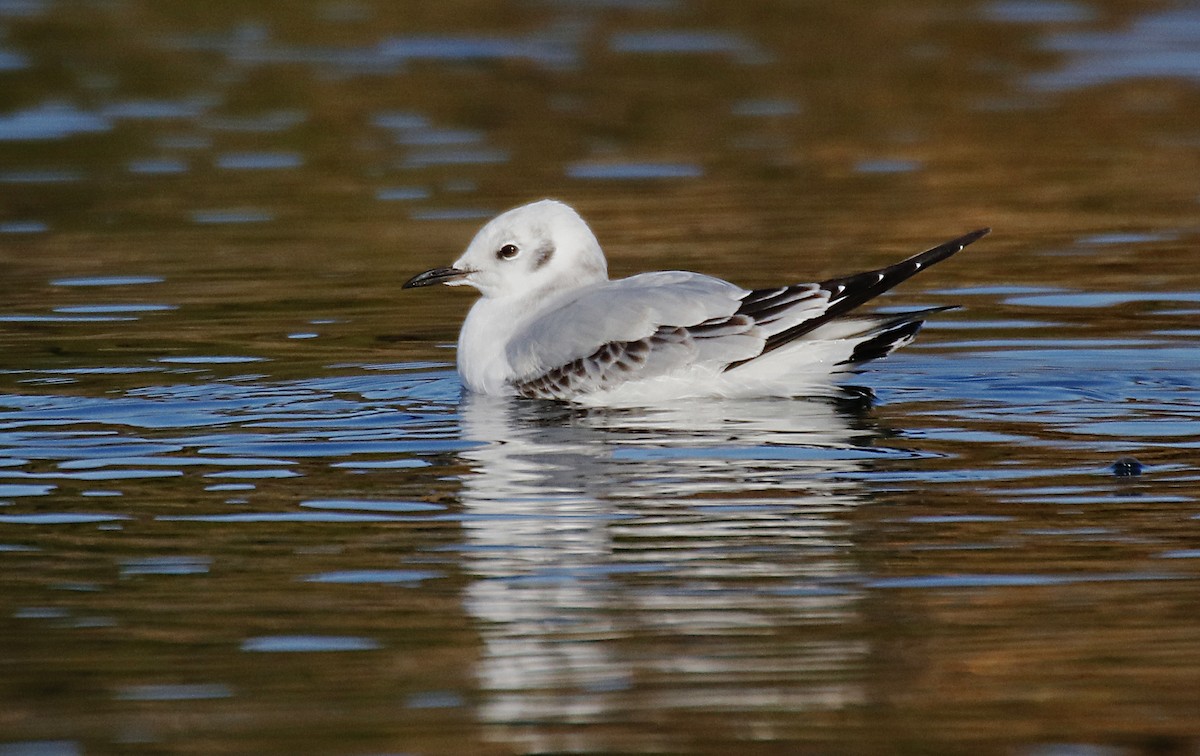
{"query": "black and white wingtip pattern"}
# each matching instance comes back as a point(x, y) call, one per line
point(846, 293)
point(861, 287)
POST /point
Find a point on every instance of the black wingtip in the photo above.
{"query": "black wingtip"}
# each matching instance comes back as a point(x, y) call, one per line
point(851, 291)
point(974, 236)
point(862, 287)
point(937, 254)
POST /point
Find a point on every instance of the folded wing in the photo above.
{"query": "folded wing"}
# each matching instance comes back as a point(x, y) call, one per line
point(653, 324)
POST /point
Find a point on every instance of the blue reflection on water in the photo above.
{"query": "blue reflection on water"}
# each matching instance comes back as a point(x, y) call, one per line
point(633, 171)
point(50, 121)
point(1039, 12)
point(308, 644)
point(394, 577)
point(23, 227)
point(1160, 44)
point(259, 161)
point(107, 281)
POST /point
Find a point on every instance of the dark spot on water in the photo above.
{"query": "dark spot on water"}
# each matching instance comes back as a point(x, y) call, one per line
point(1127, 467)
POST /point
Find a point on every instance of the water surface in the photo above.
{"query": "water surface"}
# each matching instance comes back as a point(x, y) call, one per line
point(245, 507)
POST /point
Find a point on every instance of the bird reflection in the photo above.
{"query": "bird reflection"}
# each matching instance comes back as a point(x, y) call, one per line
point(691, 555)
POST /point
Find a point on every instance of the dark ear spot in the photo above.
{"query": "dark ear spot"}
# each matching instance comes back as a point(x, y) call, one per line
point(542, 256)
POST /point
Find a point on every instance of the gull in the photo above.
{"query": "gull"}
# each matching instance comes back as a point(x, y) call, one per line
point(549, 323)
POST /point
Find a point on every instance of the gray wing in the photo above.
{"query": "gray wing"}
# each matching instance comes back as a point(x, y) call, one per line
point(650, 325)
point(654, 323)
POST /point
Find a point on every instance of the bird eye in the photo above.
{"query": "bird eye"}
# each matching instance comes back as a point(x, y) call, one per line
point(507, 252)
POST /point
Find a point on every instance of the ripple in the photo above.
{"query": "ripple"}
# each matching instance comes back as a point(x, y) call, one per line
point(107, 281)
point(308, 644)
point(399, 120)
point(1039, 12)
point(1010, 580)
point(112, 461)
point(231, 216)
point(961, 518)
point(550, 49)
point(157, 166)
point(633, 171)
point(192, 692)
point(433, 137)
point(673, 42)
point(439, 699)
point(887, 165)
point(60, 518)
point(259, 161)
point(451, 214)
point(157, 110)
point(166, 565)
point(1102, 299)
point(373, 505)
point(754, 453)
point(41, 612)
point(41, 748)
point(437, 157)
point(210, 359)
point(402, 194)
point(11, 61)
point(64, 319)
point(114, 308)
point(19, 489)
point(339, 448)
point(1123, 238)
point(373, 576)
point(252, 517)
point(385, 464)
point(1154, 46)
point(117, 474)
point(101, 370)
point(46, 176)
point(256, 474)
point(50, 121)
point(23, 227)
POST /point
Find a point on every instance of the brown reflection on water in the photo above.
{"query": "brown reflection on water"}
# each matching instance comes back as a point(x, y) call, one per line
point(953, 570)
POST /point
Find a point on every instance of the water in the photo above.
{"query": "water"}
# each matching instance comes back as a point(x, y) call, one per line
point(244, 507)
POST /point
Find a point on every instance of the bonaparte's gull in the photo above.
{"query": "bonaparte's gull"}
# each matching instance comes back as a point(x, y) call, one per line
point(551, 325)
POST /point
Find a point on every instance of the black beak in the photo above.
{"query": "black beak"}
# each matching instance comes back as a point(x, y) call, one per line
point(437, 275)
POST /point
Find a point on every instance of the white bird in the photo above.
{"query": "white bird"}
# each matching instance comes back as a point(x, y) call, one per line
point(551, 325)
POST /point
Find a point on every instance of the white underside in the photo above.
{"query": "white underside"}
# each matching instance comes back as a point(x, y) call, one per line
point(809, 368)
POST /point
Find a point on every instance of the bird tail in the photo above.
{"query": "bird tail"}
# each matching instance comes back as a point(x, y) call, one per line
point(888, 336)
